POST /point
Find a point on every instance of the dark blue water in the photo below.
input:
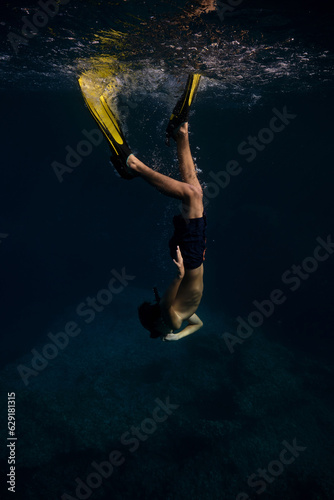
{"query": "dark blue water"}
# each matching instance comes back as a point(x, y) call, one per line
point(208, 417)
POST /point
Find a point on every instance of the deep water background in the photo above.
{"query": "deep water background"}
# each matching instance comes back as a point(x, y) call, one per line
point(63, 239)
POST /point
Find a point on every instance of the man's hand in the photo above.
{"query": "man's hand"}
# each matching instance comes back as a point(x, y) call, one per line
point(194, 324)
point(169, 296)
point(179, 262)
point(171, 336)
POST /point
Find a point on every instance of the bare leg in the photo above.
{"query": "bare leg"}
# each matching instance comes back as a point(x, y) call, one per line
point(186, 162)
point(190, 195)
point(188, 170)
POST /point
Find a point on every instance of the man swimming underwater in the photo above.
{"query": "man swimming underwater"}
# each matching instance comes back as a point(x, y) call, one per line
point(188, 243)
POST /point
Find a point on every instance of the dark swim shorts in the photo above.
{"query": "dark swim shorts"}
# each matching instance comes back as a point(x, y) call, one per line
point(190, 235)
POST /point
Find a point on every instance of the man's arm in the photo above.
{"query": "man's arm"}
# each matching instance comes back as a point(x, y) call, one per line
point(194, 324)
point(169, 296)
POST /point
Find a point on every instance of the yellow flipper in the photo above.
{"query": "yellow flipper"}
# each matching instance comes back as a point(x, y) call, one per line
point(194, 86)
point(102, 114)
point(181, 111)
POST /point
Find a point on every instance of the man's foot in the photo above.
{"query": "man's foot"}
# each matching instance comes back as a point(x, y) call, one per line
point(132, 165)
point(182, 131)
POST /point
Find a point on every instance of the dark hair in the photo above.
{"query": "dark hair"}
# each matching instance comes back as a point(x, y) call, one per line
point(149, 315)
